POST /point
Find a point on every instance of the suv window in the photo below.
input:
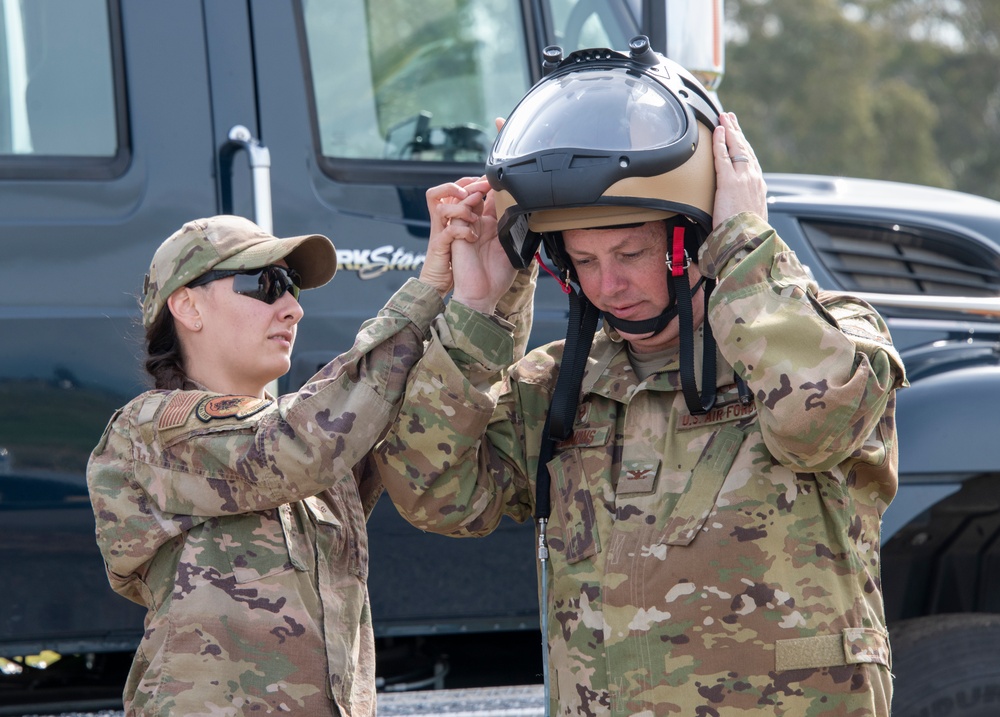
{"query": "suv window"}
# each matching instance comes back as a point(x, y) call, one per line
point(430, 80)
point(57, 94)
point(905, 260)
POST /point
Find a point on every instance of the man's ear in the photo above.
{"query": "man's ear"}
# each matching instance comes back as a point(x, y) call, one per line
point(183, 304)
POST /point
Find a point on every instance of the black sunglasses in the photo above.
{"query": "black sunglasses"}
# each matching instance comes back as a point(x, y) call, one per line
point(267, 284)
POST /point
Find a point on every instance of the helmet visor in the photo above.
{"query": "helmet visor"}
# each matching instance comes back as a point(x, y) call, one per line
point(612, 110)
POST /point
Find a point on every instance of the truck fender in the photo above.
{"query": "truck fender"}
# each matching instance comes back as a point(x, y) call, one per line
point(946, 423)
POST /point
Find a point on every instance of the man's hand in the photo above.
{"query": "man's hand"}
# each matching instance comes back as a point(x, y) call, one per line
point(483, 273)
point(740, 185)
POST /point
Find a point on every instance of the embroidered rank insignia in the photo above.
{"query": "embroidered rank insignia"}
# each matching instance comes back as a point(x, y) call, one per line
point(238, 407)
point(637, 477)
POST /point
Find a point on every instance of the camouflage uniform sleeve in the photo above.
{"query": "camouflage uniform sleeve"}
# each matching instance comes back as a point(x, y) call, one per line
point(255, 461)
point(822, 366)
point(517, 307)
point(451, 461)
point(342, 411)
point(128, 530)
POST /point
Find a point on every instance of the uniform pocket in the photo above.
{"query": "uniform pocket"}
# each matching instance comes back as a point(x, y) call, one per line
point(255, 545)
point(340, 525)
point(321, 513)
point(693, 508)
point(575, 505)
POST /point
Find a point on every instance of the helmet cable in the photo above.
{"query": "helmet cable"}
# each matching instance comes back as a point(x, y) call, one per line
point(583, 318)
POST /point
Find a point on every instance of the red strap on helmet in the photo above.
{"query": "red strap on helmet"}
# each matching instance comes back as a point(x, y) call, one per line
point(565, 287)
point(677, 266)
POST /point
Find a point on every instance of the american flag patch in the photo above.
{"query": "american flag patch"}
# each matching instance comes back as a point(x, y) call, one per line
point(178, 409)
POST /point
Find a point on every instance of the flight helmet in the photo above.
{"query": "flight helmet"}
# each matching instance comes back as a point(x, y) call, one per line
point(608, 139)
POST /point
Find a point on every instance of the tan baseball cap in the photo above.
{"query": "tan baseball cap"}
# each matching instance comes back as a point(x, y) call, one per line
point(230, 242)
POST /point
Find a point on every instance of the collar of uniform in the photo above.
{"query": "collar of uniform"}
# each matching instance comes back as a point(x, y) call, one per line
point(647, 365)
point(612, 333)
point(610, 373)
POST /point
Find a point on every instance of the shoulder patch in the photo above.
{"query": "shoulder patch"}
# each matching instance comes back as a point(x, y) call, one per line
point(238, 407)
point(178, 408)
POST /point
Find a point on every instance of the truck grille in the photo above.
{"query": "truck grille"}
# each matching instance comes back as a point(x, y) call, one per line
point(896, 259)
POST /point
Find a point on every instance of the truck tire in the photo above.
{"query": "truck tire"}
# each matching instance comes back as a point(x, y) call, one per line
point(946, 666)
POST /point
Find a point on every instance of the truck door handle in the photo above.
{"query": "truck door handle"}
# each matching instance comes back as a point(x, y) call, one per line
point(260, 174)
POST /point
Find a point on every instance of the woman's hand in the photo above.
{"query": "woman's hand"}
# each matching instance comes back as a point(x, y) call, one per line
point(464, 250)
point(455, 209)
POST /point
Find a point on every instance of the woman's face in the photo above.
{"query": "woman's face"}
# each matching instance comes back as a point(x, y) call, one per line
point(243, 343)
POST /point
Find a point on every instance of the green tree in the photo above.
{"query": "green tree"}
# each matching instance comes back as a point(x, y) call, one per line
point(887, 89)
point(952, 51)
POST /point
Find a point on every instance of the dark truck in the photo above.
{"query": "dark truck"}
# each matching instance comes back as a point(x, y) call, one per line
point(121, 119)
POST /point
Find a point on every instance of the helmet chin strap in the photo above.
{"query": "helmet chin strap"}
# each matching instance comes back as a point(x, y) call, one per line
point(681, 294)
point(656, 324)
point(653, 325)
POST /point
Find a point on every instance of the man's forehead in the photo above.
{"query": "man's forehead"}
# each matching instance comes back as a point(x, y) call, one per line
point(612, 237)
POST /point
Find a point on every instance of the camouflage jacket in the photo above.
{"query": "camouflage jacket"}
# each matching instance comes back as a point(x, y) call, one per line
point(723, 564)
point(239, 523)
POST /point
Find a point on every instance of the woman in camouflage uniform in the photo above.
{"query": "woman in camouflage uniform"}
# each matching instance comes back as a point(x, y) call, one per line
point(238, 518)
point(716, 559)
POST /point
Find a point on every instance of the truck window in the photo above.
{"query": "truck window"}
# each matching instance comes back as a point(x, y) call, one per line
point(426, 79)
point(57, 95)
point(587, 23)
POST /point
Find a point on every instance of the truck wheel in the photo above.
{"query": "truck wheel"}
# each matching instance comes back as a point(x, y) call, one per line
point(946, 666)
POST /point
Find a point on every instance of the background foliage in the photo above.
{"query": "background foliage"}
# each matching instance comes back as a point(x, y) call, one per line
point(887, 89)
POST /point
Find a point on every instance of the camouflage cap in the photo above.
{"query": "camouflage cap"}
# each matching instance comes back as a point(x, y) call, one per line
point(230, 242)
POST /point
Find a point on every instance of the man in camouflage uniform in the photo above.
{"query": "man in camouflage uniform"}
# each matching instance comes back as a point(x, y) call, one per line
point(719, 563)
point(239, 521)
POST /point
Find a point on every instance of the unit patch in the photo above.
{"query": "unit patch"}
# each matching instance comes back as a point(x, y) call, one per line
point(238, 407)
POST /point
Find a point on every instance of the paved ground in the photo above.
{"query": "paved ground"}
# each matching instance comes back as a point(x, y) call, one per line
point(518, 701)
point(523, 701)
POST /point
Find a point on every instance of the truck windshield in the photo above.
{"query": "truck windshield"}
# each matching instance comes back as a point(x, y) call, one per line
point(55, 63)
point(398, 80)
point(425, 81)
